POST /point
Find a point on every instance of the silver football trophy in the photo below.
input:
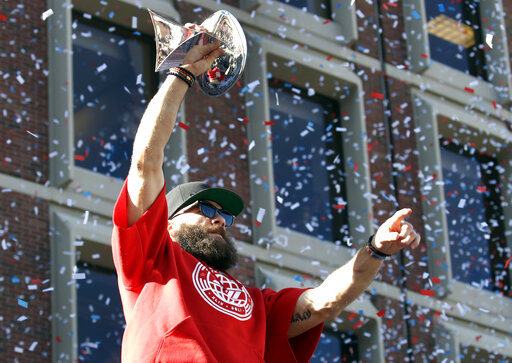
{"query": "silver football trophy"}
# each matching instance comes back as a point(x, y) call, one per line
point(173, 41)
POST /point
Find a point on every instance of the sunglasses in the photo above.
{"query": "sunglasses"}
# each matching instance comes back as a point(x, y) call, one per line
point(210, 211)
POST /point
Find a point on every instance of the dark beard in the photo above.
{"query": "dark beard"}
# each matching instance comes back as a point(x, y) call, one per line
point(197, 241)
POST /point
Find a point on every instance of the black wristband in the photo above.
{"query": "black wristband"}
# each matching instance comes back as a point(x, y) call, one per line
point(178, 72)
point(374, 252)
point(190, 74)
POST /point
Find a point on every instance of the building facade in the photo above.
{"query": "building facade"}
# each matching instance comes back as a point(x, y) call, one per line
point(347, 110)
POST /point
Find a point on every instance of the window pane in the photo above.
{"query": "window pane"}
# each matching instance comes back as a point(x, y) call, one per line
point(308, 164)
point(468, 230)
point(320, 8)
point(100, 316)
point(455, 35)
point(113, 77)
point(334, 347)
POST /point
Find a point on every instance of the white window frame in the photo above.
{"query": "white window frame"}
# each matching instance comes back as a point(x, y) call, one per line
point(357, 183)
point(72, 240)
point(427, 111)
point(483, 338)
point(499, 86)
point(343, 28)
point(63, 172)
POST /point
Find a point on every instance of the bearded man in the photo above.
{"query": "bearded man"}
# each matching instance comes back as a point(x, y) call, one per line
point(172, 255)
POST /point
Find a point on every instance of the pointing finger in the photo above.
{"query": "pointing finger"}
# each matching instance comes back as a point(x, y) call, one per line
point(397, 218)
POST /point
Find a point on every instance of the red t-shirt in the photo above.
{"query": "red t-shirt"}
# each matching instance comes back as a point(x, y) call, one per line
point(177, 309)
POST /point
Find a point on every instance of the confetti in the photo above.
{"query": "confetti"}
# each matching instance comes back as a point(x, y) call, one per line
point(2, 17)
point(488, 40)
point(47, 14)
point(183, 126)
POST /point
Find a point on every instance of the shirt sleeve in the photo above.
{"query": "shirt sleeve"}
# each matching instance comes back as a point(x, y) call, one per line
point(278, 348)
point(137, 249)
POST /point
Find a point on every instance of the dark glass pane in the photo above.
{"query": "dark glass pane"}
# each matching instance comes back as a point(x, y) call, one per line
point(308, 164)
point(334, 347)
point(113, 78)
point(320, 8)
point(468, 229)
point(455, 36)
point(100, 316)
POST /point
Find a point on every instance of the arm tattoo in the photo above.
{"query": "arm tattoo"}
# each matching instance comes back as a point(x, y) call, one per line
point(301, 317)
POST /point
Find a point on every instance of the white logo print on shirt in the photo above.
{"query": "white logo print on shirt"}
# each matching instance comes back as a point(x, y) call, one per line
point(222, 292)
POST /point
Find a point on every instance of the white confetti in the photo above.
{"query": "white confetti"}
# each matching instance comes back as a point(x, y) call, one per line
point(78, 276)
point(251, 145)
point(32, 346)
point(102, 67)
point(47, 14)
point(134, 22)
point(488, 39)
point(260, 215)
point(20, 79)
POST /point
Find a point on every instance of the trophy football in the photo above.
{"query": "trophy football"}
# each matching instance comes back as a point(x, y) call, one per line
point(173, 41)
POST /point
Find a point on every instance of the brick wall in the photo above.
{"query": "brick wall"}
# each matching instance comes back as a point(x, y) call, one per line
point(23, 91)
point(24, 221)
point(24, 274)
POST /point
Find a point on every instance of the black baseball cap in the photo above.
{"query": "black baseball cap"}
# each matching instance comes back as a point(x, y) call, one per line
point(185, 194)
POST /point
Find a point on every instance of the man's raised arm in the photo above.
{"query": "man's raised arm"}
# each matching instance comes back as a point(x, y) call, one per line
point(345, 284)
point(146, 178)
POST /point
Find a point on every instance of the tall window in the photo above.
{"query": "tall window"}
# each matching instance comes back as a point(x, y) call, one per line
point(320, 8)
point(336, 347)
point(100, 315)
point(308, 163)
point(455, 35)
point(474, 217)
point(113, 79)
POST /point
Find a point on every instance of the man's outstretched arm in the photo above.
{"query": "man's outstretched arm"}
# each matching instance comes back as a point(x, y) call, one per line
point(345, 284)
point(146, 178)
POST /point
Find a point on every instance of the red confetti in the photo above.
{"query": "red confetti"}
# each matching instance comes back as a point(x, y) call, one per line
point(329, 57)
point(2, 17)
point(269, 123)
point(327, 21)
point(481, 189)
point(469, 90)
point(58, 339)
point(494, 104)
point(423, 55)
point(257, 223)
point(378, 95)
point(358, 324)
point(414, 339)
point(79, 157)
point(477, 338)
point(508, 262)
point(183, 126)
point(339, 206)
point(436, 280)
point(381, 313)
point(427, 292)
point(351, 317)
point(246, 120)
